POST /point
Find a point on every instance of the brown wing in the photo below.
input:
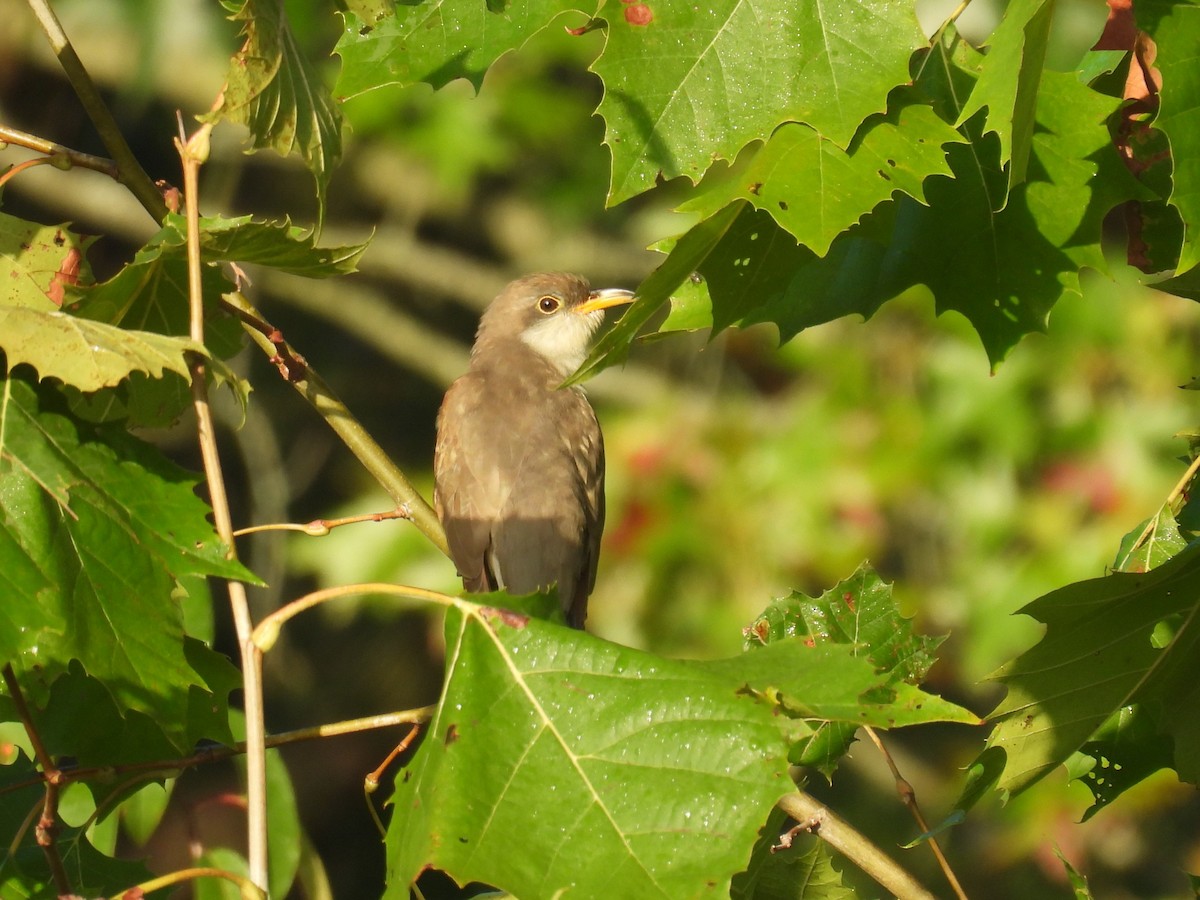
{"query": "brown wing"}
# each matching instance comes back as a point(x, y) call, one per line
point(466, 495)
point(519, 476)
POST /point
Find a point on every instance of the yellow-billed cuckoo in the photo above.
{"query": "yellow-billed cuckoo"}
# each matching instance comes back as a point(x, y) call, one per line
point(519, 464)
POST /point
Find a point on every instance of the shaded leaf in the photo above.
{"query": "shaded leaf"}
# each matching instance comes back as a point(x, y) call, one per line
point(651, 777)
point(700, 82)
point(273, 90)
point(97, 526)
point(1126, 750)
point(1104, 649)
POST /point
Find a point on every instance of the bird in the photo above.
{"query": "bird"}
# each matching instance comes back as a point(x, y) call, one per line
point(519, 459)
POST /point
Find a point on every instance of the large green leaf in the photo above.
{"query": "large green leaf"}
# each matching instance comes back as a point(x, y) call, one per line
point(1110, 642)
point(650, 777)
point(701, 81)
point(273, 89)
point(1008, 81)
point(1175, 28)
point(440, 40)
point(96, 528)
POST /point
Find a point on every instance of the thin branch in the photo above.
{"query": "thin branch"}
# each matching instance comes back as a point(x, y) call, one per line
point(132, 175)
point(247, 887)
point(193, 153)
point(58, 155)
point(267, 631)
point(47, 823)
point(322, 527)
point(22, 166)
point(327, 404)
point(909, 797)
point(371, 782)
point(217, 752)
point(853, 845)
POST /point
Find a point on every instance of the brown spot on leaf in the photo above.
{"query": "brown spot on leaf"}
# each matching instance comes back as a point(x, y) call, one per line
point(451, 734)
point(754, 188)
point(638, 14)
point(67, 274)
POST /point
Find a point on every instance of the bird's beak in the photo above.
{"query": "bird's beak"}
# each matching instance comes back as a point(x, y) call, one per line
point(604, 299)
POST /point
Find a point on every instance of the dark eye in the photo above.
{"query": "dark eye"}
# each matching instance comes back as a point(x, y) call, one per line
point(549, 304)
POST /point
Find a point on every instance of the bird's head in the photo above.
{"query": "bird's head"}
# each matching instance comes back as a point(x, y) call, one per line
point(555, 315)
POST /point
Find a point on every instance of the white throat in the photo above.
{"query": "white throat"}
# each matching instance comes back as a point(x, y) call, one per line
point(563, 339)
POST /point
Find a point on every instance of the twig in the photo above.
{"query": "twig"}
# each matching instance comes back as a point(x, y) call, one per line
point(220, 751)
point(193, 153)
point(247, 887)
point(47, 824)
point(909, 797)
point(371, 782)
point(322, 398)
point(131, 173)
point(322, 527)
point(22, 166)
point(58, 155)
point(267, 631)
point(846, 840)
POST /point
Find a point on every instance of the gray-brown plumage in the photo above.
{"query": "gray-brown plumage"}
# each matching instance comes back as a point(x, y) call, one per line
point(519, 464)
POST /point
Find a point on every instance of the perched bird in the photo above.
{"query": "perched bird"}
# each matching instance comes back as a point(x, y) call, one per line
point(519, 464)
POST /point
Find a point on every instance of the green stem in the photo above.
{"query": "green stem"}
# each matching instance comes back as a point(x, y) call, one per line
point(842, 837)
point(327, 404)
point(132, 175)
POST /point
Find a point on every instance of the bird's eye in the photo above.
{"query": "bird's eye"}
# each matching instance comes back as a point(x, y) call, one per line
point(549, 304)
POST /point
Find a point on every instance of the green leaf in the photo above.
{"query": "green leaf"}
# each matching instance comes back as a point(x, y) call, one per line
point(1175, 28)
point(439, 41)
point(273, 90)
point(803, 869)
point(1104, 650)
point(280, 245)
point(96, 528)
point(830, 683)
point(701, 81)
point(1008, 82)
point(85, 354)
point(1123, 752)
point(651, 777)
point(687, 254)
point(1079, 884)
point(1151, 544)
point(859, 612)
point(815, 190)
point(42, 262)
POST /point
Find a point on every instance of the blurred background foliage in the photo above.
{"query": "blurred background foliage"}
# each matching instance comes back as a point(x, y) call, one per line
point(738, 470)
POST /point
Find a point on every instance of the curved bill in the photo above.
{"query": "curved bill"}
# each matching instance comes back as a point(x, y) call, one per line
point(603, 299)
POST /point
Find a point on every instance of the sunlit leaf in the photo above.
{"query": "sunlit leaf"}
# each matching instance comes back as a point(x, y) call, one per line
point(1008, 82)
point(651, 777)
point(701, 81)
point(816, 190)
point(439, 41)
